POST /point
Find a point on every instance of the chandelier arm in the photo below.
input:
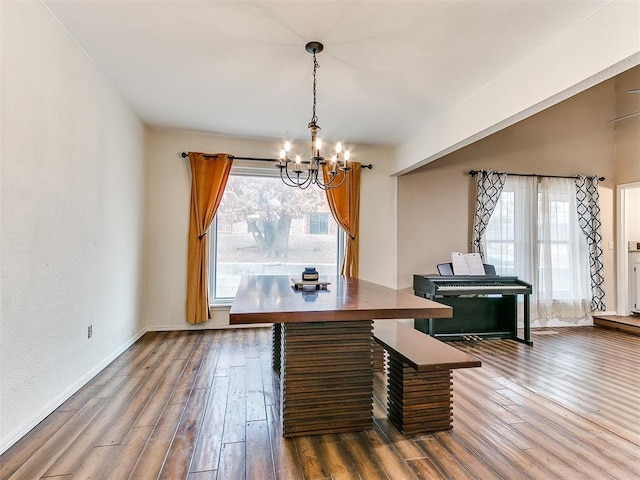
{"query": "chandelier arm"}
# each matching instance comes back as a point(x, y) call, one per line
point(311, 180)
point(294, 183)
point(289, 182)
point(331, 185)
point(323, 186)
point(344, 178)
point(297, 182)
point(331, 181)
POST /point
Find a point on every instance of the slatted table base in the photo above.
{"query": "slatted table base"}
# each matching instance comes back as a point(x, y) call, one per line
point(327, 377)
point(418, 402)
point(378, 357)
point(276, 333)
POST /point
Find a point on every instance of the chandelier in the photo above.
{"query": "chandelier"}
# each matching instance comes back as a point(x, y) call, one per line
point(292, 171)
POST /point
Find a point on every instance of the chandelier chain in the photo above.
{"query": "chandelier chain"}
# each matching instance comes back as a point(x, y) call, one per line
point(316, 65)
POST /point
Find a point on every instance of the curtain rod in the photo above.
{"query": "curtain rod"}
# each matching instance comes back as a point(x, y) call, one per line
point(256, 159)
point(474, 172)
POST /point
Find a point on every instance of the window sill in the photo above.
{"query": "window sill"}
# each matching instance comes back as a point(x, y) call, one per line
point(220, 306)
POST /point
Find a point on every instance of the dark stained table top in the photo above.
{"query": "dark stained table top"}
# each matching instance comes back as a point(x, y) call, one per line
point(272, 299)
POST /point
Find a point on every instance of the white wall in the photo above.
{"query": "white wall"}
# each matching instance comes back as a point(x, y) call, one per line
point(73, 213)
point(598, 48)
point(169, 194)
point(633, 212)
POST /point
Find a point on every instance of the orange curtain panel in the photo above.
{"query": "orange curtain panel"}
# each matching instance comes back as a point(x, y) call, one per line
point(344, 203)
point(209, 174)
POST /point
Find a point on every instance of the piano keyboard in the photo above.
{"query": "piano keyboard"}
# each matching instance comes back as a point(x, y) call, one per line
point(434, 285)
point(445, 288)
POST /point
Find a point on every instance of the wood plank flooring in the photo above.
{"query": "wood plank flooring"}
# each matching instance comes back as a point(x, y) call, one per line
point(205, 405)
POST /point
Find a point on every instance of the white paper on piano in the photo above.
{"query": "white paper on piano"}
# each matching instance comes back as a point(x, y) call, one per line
point(467, 263)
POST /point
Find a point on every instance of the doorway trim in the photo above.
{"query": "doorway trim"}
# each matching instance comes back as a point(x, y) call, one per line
point(622, 276)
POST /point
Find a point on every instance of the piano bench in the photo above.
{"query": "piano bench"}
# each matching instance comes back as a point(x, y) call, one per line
point(419, 377)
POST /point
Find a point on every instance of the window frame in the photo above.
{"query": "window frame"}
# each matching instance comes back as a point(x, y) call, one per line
point(213, 232)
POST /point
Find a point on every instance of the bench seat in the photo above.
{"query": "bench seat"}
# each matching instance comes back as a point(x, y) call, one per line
point(419, 377)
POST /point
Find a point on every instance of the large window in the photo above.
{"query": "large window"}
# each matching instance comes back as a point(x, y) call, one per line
point(264, 227)
point(534, 234)
point(500, 235)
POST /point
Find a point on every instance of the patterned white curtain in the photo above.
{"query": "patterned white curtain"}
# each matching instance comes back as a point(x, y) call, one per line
point(588, 207)
point(489, 186)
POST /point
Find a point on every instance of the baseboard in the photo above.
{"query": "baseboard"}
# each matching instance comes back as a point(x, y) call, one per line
point(559, 322)
point(15, 436)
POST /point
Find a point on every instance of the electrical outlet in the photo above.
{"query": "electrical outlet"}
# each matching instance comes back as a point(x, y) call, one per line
point(90, 331)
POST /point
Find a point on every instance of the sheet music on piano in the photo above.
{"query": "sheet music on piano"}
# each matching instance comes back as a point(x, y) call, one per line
point(467, 263)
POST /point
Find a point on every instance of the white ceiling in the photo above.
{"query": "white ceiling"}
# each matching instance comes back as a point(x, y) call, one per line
point(240, 68)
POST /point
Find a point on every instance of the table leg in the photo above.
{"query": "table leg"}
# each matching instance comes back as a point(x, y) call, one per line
point(327, 377)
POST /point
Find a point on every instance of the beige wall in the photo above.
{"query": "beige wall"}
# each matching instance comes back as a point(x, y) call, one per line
point(435, 203)
point(169, 187)
point(627, 132)
point(73, 219)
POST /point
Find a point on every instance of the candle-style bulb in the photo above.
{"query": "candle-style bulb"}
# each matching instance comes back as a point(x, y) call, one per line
point(298, 159)
point(283, 154)
point(287, 146)
point(347, 155)
point(338, 147)
point(318, 144)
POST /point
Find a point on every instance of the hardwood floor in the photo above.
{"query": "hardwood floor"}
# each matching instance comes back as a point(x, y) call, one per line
point(204, 405)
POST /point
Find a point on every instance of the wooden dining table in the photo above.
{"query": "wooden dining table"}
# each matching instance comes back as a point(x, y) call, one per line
point(322, 345)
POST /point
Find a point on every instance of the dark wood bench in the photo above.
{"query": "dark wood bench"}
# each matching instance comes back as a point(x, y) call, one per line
point(419, 377)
